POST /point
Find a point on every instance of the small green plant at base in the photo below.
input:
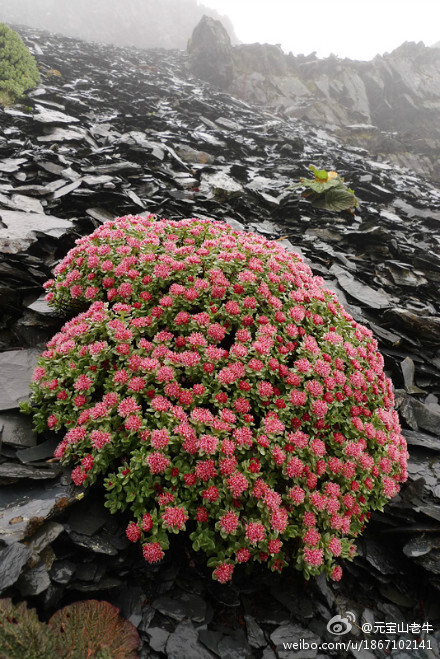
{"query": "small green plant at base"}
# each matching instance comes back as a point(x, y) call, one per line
point(328, 191)
point(83, 629)
point(18, 68)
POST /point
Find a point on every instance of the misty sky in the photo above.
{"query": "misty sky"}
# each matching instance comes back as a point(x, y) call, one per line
point(347, 28)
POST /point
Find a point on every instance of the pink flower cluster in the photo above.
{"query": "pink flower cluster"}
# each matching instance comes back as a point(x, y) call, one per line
point(214, 381)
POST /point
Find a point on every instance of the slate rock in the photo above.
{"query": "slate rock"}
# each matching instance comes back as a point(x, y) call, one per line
point(99, 544)
point(10, 471)
point(421, 545)
point(183, 643)
point(18, 230)
point(375, 299)
point(16, 369)
point(26, 507)
point(16, 429)
point(34, 581)
point(181, 605)
point(62, 571)
point(293, 633)
point(12, 561)
point(417, 414)
point(255, 634)
point(47, 116)
point(157, 638)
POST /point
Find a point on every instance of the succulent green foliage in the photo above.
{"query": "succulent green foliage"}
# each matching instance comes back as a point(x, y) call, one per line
point(22, 634)
point(18, 68)
point(328, 191)
point(83, 629)
point(94, 629)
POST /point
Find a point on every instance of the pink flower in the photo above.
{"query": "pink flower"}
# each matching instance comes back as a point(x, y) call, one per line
point(313, 557)
point(274, 546)
point(296, 494)
point(211, 493)
point(133, 532)
point(99, 438)
point(159, 438)
point(208, 444)
point(311, 537)
point(78, 476)
point(255, 532)
point(147, 522)
point(157, 462)
point(152, 552)
point(295, 468)
point(52, 421)
point(335, 546)
point(83, 383)
point(206, 470)
point(128, 406)
point(174, 517)
point(242, 555)
point(237, 483)
point(132, 423)
point(223, 572)
point(229, 522)
point(336, 573)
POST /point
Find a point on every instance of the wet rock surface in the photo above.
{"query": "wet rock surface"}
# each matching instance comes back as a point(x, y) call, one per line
point(389, 105)
point(129, 131)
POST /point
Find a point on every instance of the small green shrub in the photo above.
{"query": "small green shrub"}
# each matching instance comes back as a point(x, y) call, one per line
point(328, 191)
point(83, 629)
point(18, 68)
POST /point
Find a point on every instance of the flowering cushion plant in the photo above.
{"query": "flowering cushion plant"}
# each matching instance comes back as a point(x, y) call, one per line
point(215, 383)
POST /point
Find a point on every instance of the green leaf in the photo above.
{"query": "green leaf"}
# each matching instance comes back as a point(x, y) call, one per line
point(336, 199)
point(319, 173)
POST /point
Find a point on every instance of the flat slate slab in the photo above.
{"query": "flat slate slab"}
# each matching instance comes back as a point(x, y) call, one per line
point(16, 369)
point(18, 230)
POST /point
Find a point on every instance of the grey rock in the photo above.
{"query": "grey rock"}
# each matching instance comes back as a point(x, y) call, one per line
point(419, 546)
point(294, 633)
point(255, 634)
point(34, 581)
point(40, 452)
point(10, 471)
point(97, 543)
point(26, 507)
point(234, 646)
point(181, 605)
point(221, 185)
point(16, 368)
point(158, 638)
point(18, 230)
point(87, 520)
point(47, 116)
point(12, 561)
point(27, 204)
point(183, 643)
point(415, 438)
point(16, 429)
point(376, 299)
point(62, 571)
point(210, 53)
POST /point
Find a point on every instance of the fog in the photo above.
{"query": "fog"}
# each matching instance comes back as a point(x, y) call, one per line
point(342, 27)
point(143, 23)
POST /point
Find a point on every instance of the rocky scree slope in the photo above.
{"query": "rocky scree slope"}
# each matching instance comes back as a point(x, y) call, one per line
point(389, 105)
point(112, 131)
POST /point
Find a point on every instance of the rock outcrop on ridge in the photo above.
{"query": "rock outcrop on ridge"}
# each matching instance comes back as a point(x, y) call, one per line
point(112, 131)
point(389, 105)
